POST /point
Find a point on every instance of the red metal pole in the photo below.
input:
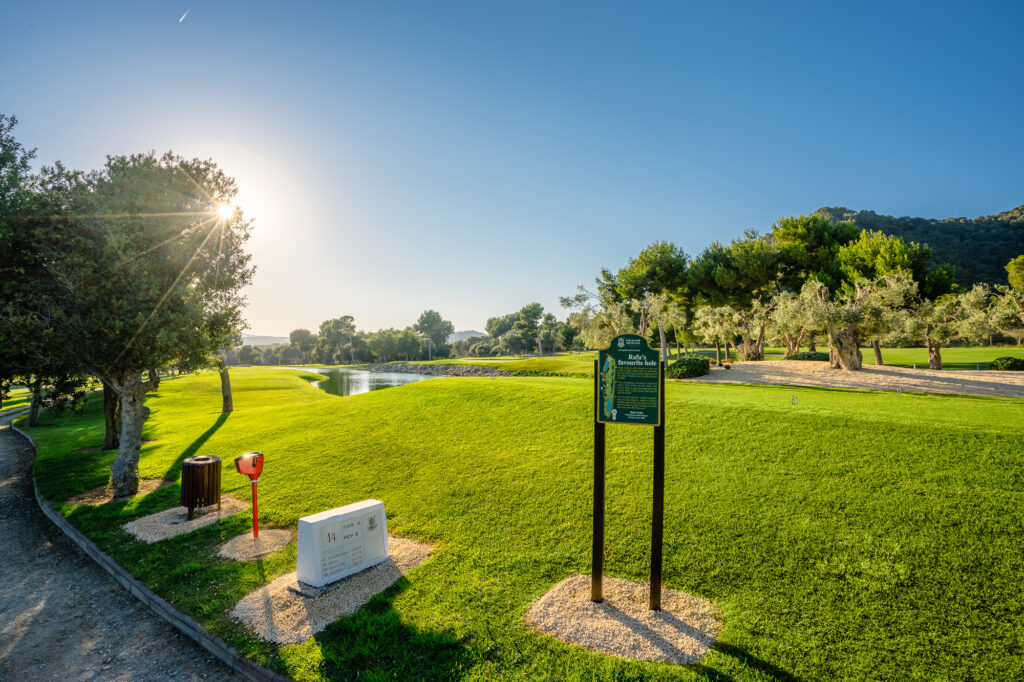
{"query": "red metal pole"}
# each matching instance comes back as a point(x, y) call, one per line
point(255, 519)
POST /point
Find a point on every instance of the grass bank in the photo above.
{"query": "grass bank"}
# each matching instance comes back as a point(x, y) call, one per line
point(845, 534)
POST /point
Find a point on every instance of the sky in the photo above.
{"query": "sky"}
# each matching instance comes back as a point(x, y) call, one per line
point(473, 157)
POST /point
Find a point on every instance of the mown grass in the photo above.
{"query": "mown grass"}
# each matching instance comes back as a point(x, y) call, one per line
point(16, 397)
point(845, 534)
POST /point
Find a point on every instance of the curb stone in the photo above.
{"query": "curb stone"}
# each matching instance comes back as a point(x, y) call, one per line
point(229, 656)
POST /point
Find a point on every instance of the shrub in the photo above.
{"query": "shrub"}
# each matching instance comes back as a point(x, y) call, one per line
point(1008, 363)
point(808, 355)
point(687, 367)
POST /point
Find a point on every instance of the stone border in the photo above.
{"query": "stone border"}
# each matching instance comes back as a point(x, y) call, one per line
point(229, 656)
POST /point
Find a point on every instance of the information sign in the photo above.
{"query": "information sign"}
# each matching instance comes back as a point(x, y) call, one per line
point(629, 383)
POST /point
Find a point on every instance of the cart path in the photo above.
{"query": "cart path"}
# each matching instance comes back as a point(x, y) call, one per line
point(61, 616)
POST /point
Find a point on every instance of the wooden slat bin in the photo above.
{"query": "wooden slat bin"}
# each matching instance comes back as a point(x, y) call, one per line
point(200, 483)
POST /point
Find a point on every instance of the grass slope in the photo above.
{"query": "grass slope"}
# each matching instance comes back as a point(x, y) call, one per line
point(16, 397)
point(846, 534)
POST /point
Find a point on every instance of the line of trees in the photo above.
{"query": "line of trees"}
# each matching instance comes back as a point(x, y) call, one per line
point(111, 276)
point(338, 341)
point(811, 278)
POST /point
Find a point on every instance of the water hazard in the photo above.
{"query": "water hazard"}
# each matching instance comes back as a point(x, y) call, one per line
point(356, 381)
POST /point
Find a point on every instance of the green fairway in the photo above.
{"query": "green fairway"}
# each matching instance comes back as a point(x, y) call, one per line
point(576, 364)
point(952, 358)
point(17, 397)
point(845, 534)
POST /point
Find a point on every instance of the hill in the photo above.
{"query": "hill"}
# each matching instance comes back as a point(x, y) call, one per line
point(979, 248)
point(253, 340)
point(462, 336)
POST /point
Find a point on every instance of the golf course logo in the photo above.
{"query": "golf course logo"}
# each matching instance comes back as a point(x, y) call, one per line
point(371, 523)
point(622, 342)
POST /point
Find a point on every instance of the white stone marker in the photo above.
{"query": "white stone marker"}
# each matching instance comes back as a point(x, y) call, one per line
point(342, 541)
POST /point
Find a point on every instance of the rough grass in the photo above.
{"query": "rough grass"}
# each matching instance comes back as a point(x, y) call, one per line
point(845, 534)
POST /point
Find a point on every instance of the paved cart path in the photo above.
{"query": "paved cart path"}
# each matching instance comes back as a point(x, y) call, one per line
point(61, 616)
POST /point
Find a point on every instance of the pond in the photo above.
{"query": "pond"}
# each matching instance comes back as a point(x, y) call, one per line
point(356, 381)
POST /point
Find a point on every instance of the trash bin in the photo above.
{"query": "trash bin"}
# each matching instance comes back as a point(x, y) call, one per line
point(200, 483)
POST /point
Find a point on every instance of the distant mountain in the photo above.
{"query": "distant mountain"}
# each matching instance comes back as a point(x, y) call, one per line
point(250, 340)
point(979, 248)
point(462, 336)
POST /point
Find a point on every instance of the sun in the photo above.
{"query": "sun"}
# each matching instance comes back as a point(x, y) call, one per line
point(225, 210)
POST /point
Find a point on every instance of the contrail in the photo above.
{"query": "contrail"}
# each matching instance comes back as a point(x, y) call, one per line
point(184, 15)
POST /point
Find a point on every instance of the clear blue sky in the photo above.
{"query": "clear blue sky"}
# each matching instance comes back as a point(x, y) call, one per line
point(472, 157)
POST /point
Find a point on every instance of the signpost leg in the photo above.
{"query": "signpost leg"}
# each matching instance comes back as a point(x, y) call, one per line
point(658, 509)
point(255, 520)
point(597, 560)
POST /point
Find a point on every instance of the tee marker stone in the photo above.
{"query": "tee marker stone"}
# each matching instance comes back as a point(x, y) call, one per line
point(339, 542)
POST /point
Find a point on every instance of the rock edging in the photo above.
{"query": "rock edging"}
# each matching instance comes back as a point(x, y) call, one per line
point(440, 370)
point(229, 656)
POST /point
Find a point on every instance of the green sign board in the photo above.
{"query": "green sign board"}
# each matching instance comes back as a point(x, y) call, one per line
point(629, 383)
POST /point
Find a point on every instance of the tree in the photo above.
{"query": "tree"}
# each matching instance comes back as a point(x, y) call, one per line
point(598, 317)
point(858, 310)
point(808, 248)
point(150, 275)
point(658, 269)
point(958, 315)
point(789, 320)
point(1015, 273)
point(384, 345)
point(335, 333)
point(408, 344)
point(717, 325)
point(303, 340)
point(431, 325)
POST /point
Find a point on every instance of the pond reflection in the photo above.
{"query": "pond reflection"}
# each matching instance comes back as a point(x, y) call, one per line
point(356, 381)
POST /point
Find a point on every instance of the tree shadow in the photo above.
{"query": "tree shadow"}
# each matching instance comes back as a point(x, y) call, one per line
point(744, 658)
point(175, 468)
point(374, 643)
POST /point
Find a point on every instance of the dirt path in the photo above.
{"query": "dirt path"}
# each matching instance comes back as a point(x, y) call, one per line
point(61, 616)
point(884, 378)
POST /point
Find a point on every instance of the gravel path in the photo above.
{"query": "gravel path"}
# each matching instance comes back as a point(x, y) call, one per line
point(61, 616)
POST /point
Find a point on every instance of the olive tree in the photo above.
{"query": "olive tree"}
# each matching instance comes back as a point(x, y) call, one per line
point(717, 325)
point(151, 272)
point(963, 315)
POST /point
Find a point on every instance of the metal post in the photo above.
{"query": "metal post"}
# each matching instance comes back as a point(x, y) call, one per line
point(255, 519)
point(597, 560)
point(658, 510)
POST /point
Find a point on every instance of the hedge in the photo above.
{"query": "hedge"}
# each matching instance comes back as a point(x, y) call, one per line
point(691, 366)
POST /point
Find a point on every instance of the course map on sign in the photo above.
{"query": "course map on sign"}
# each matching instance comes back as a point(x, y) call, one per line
point(629, 383)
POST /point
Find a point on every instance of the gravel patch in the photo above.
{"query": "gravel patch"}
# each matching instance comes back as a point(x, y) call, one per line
point(871, 377)
point(247, 547)
point(623, 625)
point(61, 616)
point(277, 612)
point(173, 522)
point(103, 494)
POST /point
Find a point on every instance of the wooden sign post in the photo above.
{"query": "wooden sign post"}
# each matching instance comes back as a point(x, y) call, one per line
point(629, 388)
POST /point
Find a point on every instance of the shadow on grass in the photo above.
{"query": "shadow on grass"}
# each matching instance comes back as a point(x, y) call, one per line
point(374, 643)
point(175, 468)
point(745, 659)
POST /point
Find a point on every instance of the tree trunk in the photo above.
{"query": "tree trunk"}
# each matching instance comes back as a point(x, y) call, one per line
point(664, 345)
point(844, 351)
point(718, 352)
point(677, 345)
point(154, 378)
point(727, 351)
point(124, 472)
point(37, 401)
point(877, 347)
point(228, 404)
point(934, 355)
point(111, 417)
point(812, 347)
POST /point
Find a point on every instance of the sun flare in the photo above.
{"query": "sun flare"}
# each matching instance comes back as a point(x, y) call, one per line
point(225, 210)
